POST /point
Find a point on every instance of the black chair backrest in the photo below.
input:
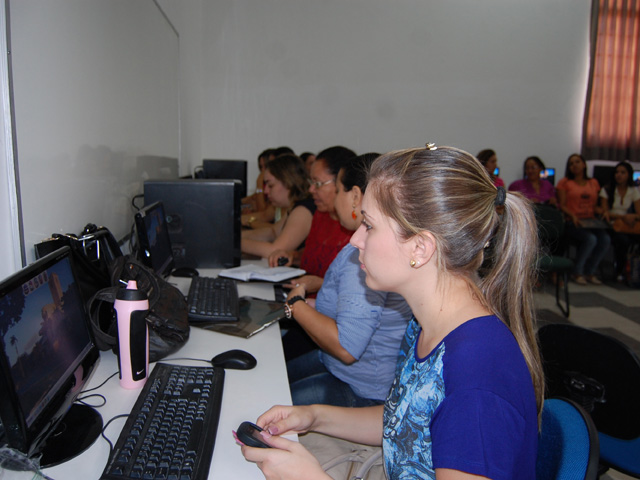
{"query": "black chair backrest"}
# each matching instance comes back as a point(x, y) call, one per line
point(550, 228)
point(597, 371)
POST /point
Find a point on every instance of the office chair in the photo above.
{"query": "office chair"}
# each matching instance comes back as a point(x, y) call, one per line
point(568, 442)
point(602, 375)
point(552, 259)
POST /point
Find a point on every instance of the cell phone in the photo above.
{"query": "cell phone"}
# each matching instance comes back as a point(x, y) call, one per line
point(249, 434)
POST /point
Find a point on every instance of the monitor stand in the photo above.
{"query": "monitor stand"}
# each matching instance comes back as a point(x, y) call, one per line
point(76, 432)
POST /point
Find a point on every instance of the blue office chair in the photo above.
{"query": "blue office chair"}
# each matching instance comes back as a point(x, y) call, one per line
point(568, 443)
point(601, 374)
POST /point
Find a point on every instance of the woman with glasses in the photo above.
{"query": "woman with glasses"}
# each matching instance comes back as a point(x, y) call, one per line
point(357, 330)
point(286, 186)
point(327, 236)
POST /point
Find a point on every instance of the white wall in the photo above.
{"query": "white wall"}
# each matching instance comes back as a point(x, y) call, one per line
point(96, 107)
point(377, 75)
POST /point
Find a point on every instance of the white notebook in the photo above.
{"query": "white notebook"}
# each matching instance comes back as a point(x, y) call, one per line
point(246, 273)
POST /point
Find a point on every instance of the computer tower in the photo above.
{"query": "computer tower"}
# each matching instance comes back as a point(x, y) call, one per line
point(203, 219)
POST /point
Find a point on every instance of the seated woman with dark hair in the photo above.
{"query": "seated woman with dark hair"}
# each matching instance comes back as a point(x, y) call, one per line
point(489, 161)
point(620, 200)
point(327, 236)
point(578, 199)
point(535, 188)
point(286, 186)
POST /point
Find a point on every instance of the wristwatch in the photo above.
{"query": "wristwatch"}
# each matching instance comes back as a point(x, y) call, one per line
point(288, 311)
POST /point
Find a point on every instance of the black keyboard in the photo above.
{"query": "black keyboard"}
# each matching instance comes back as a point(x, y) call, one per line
point(213, 300)
point(171, 431)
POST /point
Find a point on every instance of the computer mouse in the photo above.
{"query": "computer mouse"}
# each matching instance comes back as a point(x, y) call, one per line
point(185, 272)
point(235, 360)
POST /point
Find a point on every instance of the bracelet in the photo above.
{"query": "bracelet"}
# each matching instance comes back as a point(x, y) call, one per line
point(288, 311)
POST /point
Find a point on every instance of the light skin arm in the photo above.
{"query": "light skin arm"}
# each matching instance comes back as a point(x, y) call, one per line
point(290, 460)
point(292, 234)
point(322, 329)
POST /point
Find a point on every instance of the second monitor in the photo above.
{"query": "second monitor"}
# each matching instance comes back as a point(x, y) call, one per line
point(226, 169)
point(203, 219)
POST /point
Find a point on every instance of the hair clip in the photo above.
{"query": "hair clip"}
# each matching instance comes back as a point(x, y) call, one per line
point(430, 146)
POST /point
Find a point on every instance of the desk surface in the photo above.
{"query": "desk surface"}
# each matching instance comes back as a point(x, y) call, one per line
point(247, 394)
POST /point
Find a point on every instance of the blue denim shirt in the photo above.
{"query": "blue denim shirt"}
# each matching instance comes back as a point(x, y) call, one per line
point(371, 325)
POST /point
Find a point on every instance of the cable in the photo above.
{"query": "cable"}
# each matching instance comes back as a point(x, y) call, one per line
point(99, 386)
point(124, 415)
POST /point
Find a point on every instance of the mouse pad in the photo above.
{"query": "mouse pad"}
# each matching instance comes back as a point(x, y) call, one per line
point(255, 315)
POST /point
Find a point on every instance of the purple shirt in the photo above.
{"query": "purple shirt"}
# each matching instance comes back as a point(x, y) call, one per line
point(525, 187)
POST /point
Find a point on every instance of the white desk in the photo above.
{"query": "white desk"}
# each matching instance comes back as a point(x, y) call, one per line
point(247, 394)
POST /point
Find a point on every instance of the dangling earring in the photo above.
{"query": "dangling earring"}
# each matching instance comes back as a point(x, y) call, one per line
point(353, 212)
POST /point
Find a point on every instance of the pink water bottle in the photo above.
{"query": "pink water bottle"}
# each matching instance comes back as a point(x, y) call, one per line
point(131, 307)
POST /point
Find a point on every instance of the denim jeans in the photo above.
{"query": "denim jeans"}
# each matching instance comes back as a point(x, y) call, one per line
point(311, 382)
point(592, 246)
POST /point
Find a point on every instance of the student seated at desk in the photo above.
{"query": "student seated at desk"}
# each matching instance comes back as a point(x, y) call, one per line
point(469, 387)
point(286, 186)
point(326, 237)
point(357, 329)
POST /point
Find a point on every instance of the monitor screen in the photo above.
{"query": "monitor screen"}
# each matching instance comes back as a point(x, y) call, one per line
point(203, 220)
point(46, 355)
point(153, 239)
point(549, 174)
point(226, 169)
point(636, 177)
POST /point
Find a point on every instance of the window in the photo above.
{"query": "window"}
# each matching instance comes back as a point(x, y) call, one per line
point(612, 112)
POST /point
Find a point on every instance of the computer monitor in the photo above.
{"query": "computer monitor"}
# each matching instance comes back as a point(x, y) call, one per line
point(636, 177)
point(203, 219)
point(47, 354)
point(226, 169)
point(549, 174)
point(153, 239)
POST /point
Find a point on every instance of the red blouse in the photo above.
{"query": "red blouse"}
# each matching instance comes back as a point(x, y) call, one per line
point(325, 240)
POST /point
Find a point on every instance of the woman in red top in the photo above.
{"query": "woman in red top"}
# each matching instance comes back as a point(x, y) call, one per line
point(324, 242)
point(326, 237)
point(578, 199)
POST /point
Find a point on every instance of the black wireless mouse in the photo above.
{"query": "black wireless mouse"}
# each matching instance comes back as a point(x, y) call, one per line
point(235, 360)
point(185, 272)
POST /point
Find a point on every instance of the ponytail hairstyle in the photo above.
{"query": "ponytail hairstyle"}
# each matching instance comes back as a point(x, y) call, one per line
point(448, 193)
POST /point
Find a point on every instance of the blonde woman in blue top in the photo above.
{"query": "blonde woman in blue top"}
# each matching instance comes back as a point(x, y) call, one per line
point(469, 386)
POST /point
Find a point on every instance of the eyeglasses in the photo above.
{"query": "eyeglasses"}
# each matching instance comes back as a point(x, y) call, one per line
point(321, 184)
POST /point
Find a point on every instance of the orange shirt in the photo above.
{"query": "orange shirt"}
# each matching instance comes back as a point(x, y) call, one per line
point(581, 199)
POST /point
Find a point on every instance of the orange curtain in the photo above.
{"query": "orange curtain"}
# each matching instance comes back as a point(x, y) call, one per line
point(612, 113)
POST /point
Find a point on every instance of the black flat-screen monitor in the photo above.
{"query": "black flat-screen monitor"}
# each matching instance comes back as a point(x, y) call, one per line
point(47, 354)
point(153, 239)
point(203, 220)
point(226, 169)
